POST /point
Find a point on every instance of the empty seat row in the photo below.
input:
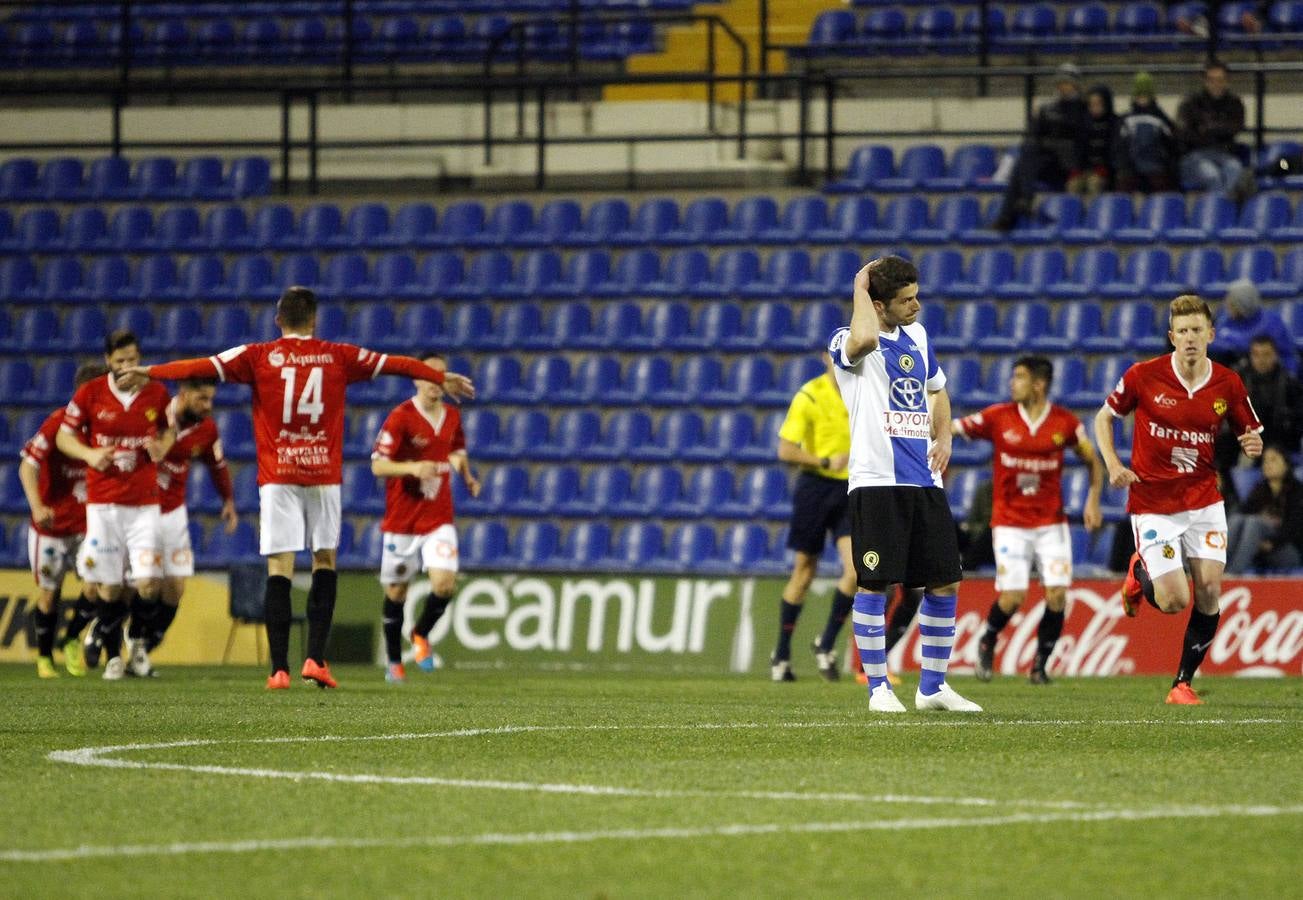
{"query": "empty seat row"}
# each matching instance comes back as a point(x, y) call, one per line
point(292, 9)
point(110, 178)
point(940, 28)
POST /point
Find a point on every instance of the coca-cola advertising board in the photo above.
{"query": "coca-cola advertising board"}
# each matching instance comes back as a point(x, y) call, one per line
point(1260, 633)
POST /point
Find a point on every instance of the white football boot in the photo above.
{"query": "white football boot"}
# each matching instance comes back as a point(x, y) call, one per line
point(883, 699)
point(945, 698)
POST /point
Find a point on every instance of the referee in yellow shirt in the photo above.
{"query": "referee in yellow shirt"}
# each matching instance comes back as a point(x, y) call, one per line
point(816, 436)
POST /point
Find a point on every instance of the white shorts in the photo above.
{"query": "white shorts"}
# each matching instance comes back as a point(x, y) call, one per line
point(1164, 540)
point(174, 543)
point(294, 517)
point(51, 558)
point(120, 538)
point(437, 550)
point(1016, 548)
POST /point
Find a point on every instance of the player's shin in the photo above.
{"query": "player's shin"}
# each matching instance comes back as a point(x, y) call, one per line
point(278, 622)
point(392, 620)
point(109, 627)
point(1199, 633)
point(82, 614)
point(430, 614)
point(788, 614)
point(141, 611)
point(159, 623)
point(869, 623)
point(44, 624)
point(1047, 636)
point(841, 608)
point(902, 614)
point(321, 611)
point(936, 627)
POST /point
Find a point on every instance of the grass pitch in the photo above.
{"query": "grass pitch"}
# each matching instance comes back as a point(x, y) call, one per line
point(569, 784)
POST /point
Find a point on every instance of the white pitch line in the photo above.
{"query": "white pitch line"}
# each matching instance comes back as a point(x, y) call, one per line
point(579, 837)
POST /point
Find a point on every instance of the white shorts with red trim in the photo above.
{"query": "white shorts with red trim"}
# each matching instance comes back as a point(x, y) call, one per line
point(1165, 540)
point(1049, 546)
point(436, 550)
point(174, 543)
point(51, 558)
point(294, 517)
point(120, 539)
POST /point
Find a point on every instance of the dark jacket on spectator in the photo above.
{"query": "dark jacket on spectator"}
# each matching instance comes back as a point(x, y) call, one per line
point(1277, 398)
point(1286, 506)
point(1058, 131)
point(1146, 145)
point(1098, 149)
point(1210, 122)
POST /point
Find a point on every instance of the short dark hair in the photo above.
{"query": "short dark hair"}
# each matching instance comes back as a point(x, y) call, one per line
point(888, 275)
point(1262, 339)
point(88, 372)
point(194, 384)
point(297, 307)
point(1037, 366)
point(119, 339)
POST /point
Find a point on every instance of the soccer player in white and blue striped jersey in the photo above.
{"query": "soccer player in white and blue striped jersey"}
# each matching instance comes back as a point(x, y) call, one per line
point(901, 527)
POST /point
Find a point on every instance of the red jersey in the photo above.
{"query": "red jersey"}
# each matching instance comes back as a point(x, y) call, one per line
point(1028, 460)
point(62, 479)
point(103, 416)
point(414, 505)
point(298, 399)
point(194, 440)
point(1172, 444)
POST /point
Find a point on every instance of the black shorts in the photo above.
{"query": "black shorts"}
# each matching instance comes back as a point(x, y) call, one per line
point(905, 535)
point(819, 506)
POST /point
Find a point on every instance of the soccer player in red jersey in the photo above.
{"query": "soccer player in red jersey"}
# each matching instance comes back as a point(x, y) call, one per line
point(1179, 402)
point(420, 444)
point(1029, 435)
point(55, 486)
point(190, 415)
point(298, 386)
point(117, 425)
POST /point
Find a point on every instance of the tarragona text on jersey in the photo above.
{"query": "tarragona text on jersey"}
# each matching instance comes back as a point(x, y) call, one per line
point(298, 387)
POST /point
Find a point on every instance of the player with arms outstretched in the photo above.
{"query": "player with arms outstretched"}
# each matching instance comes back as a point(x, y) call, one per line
point(1029, 435)
point(901, 527)
point(1179, 402)
point(298, 386)
point(55, 487)
point(419, 446)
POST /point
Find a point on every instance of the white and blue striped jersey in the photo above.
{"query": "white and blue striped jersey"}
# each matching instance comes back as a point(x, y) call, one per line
point(886, 396)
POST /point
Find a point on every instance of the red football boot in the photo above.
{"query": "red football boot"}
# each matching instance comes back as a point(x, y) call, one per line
point(1132, 593)
point(318, 674)
point(278, 680)
point(1183, 695)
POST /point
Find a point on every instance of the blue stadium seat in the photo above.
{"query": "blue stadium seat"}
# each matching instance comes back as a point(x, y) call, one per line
point(345, 278)
point(506, 225)
point(1069, 377)
point(850, 219)
point(640, 546)
point(157, 279)
point(971, 165)
point(528, 434)
point(606, 492)
point(227, 229)
point(883, 31)
point(505, 486)
point(86, 230)
point(178, 230)
point(35, 330)
point(108, 280)
point(229, 326)
point(484, 545)
point(693, 549)
point(1258, 264)
point(558, 221)
point(705, 220)
point(934, 31)
point(1107, 215)
point(441, 276)
point(588, 547)
point(900, 220)
point(483, 430)
point(802, 217)
point(868, 165)
point(137, 319)
point(938, 270)
point(366, 226)
point(832, 28)
point(669, 327)
point(960, 489)
point(555, 491)
point(414, 225)
point(586, 271)
point(1091, 268)
point(605, 219)
point(548, 381)
point(1199, 271)
point(156, 179)
point(752, 217)
point(244, 487)
point(63, 179)
point(537, 545)
point(745, 549)
point(1160, 216)
point(1074, 323)
point(919, 164)
point(954, 216)
point(761, 493)
point(678, 431)
point(52, 383)
point(109, 179)
point(236, 430)
point(250, 176)
point(968, 322)
point(1020, 325)
point(321, 227)
point(987, 271)
point(39, 231)
point(538, 276)
point(788, 274)
point(201, 179)
point(274, 228)
point(224, 549)
point(1146, 274)
point(719, 326)
point(1210, 215)
point(489, 277)
point(462, 222)
point(19, 181)
point(1260, 218)
point(1039, 269)
point(131, 230)
point(394, 278)
point(1056, 214)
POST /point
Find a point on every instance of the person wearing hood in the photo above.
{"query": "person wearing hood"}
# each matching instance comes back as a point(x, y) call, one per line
point(1052, 151)
point(1146, 150)
point(1094, 172)
point(1241, 319)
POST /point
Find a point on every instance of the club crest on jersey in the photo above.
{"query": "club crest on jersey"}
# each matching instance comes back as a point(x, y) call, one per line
point(907, 362)
point(276, 358)
point(151, 414)
point(908, 392)
point(1219, 406)
point(1168, 551)
point(1058, 439)
point(871, 560)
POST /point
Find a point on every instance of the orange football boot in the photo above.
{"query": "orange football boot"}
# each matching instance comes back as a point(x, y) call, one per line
point(1183, 695)
point(318, 674)
point(278, 680)
point(1132, 593)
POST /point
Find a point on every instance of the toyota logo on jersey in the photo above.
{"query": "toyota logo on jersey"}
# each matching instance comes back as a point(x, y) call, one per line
point(907, 393)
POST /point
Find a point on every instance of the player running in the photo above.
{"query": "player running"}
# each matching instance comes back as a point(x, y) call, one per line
point(1029, 435)
point(420, 443)
point(118, 427)
point(55, 487)
point(298, 386)
point(901, 527)
point(190, 415)
point(1179, 401)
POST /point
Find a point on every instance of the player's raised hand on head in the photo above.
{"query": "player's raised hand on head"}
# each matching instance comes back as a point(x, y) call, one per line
point(1251, 444)
point(862, 277)
point(1120, 476)
point(458, 386)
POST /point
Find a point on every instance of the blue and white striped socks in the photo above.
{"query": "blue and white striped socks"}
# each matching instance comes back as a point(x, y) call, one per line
point(869, 622)
point(936, 627)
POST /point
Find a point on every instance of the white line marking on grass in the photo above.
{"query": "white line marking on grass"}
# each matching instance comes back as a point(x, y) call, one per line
point(86, 851)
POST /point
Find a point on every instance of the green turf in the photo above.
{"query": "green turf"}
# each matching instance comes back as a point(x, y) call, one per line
point(694, 746)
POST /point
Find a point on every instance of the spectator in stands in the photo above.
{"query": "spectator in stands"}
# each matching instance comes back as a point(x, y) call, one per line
point(1146, 147)
point(1094, 174)
point(975, 537)
point(1268, 532)
point(1208, 121)
point(1276, 395)
point(1244, 318)
point(1052, 150)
